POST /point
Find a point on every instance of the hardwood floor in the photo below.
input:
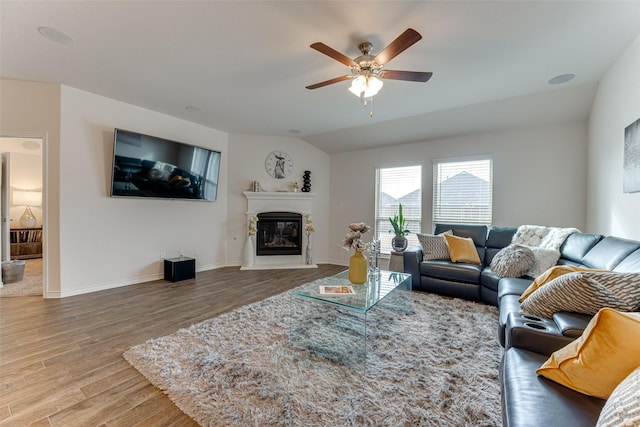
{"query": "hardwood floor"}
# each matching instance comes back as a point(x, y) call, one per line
point(61, 360)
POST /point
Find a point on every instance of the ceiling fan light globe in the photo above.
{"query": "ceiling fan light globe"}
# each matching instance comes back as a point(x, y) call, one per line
point(355, 91)
point(365, 86)
point(359, 82)
point(374, 85)
point(369, 93)
point(358, 85)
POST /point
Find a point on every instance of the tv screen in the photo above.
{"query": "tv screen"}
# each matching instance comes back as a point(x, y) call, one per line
point(147, 166)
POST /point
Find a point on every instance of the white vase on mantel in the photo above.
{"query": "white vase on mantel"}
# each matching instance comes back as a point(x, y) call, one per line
point(249, 253)
point(308, 257)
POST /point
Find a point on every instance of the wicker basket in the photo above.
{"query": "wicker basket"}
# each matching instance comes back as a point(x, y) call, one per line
point(12, 271)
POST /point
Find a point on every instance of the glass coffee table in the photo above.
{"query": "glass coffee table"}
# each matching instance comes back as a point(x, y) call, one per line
point(338, 326)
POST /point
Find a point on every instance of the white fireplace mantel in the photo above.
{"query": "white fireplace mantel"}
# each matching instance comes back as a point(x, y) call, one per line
point(258, 202)
point(261, 201)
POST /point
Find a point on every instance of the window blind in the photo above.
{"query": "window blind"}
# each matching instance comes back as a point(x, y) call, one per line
point(463, 191)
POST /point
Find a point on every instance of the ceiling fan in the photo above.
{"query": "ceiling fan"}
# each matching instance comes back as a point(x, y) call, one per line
point(366, 70)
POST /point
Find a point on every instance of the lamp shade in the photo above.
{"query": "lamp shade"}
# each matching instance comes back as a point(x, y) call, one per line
point(27, 198)
point(374, 85)
point(358, 85)
point(365, 86)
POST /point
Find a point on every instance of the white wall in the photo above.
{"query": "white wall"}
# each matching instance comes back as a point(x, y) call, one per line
point(108, 242)
point(97, 242)
point(33, 109)
point(247, 154)
point(616, 106)
point(539, 178)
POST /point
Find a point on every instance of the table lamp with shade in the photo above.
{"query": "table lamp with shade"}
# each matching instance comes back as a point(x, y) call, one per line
point(28, 199)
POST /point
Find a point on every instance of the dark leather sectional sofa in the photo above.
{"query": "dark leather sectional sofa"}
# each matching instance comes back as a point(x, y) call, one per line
point(527, 399)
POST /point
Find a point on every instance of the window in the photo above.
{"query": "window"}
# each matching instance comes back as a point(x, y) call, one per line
point(463, 191)
point(394, 186)
point(207, 161)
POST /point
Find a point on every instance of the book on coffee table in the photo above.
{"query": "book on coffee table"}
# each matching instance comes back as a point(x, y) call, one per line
point(336, 290)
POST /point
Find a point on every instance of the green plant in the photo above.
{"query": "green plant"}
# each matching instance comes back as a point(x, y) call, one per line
point(398, 223)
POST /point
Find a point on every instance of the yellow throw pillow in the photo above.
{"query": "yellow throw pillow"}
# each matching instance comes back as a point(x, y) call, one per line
point(551, 274)
point(606, 353)
point(462, 249)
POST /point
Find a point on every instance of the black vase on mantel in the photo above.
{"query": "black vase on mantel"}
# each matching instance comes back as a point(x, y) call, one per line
point(306, 181)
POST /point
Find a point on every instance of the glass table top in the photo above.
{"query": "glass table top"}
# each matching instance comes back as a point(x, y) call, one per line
point(366, 296)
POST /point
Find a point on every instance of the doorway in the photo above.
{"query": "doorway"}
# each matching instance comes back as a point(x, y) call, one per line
point(22, 216)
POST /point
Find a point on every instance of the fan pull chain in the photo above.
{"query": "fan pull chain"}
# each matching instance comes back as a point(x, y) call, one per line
point(364, 102)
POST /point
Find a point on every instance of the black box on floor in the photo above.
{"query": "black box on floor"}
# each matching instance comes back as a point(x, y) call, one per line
point(181, 268)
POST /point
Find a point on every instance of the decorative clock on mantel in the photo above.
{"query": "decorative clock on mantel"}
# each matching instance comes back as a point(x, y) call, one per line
point(278, 164)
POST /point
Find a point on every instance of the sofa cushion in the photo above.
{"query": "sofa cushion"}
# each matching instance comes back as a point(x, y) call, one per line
point(497, 239)
point(531, 400)
point(609, 252)
point(490, 280)
point(500, 237)
point(549, 275)
point(623, 407)
point(631, 264)
point(462, 249)
point(446, 270)
point(577, 245)
point(585, 292)
point(605, 354)
point(477, 232)
point(513, 286)
point(513, 261)
point(434, 246)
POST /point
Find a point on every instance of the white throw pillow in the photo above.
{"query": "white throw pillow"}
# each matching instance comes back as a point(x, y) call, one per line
point(544, 260)
point(434, 246)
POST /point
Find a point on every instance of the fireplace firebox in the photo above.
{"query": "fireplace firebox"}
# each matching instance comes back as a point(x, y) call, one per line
point(279, 233)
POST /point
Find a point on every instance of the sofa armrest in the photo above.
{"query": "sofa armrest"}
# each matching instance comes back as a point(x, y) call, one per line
point(571, 324)
point(533, 333)
point(412, 258)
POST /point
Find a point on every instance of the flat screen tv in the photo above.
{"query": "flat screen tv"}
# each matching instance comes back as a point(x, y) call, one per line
point(148, 166)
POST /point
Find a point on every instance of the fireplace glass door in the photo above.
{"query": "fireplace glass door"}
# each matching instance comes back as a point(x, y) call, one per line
point(279, 233)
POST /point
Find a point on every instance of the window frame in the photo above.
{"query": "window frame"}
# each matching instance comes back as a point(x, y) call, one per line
point(414, 222)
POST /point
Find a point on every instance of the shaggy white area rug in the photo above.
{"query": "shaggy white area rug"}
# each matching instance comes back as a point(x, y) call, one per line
point(437, 366)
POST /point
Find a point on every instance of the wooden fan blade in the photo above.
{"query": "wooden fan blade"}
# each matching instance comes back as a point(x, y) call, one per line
point(323, 48)
point(412, 76)
point(329, 82)
point(396, 47)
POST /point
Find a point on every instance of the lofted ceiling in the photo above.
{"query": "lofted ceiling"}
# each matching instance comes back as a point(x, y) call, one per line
point(244, 65)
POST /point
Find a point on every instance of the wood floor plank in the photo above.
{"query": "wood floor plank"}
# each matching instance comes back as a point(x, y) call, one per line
point(153, 403)
point(61, 360)
point(100, 407)
point(44, 379)
point(4, 412)
point(41, 406)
